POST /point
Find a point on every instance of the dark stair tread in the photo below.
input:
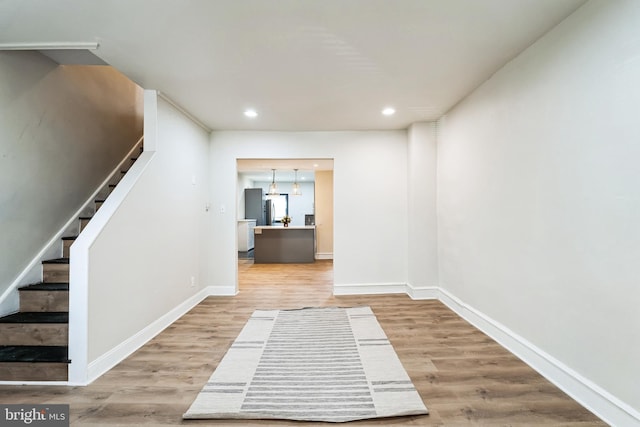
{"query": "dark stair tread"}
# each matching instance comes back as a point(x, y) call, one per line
point(56, 261)
point(34, 354)
point(62, 286)
point(36, 317)
point(70, 238)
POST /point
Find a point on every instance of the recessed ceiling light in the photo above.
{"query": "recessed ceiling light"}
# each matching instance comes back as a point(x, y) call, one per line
point(389, 111)
point(251, 113)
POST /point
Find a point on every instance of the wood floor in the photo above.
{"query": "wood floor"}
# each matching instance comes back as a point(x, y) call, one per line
point(464, 377)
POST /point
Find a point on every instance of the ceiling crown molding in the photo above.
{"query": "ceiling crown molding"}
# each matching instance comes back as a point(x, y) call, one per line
point(184, 111)
point(50, 46)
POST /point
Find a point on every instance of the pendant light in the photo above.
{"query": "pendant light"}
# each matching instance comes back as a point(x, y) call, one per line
point(296, 187)
point(273, 187)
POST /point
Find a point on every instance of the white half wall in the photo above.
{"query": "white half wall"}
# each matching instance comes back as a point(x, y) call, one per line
point(146, 250)
point(539, 195)
point(370, 198)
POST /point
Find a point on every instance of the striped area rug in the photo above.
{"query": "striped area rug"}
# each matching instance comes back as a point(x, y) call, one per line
point(313, 364)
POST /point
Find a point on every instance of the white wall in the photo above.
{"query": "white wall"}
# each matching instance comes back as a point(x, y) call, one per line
point(141, 264)
point(539, 195)
point(370, 211)
point(62, 131)
point(422, 221)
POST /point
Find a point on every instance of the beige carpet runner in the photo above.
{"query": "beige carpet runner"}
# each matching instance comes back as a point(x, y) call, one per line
point(313, 364)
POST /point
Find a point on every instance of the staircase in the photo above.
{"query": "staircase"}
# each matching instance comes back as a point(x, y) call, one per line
point(34, 341)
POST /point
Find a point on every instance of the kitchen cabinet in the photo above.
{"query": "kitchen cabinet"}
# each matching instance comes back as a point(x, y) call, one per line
point(245, 234)
point(277, 244)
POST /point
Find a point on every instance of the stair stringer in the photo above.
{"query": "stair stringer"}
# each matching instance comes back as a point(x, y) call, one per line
point(32, 273)
point(79, 270)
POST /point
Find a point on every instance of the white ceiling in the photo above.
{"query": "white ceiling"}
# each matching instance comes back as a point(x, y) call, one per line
point(302, 64)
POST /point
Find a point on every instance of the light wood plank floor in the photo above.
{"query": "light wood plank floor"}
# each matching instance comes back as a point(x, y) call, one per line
point(464, 377)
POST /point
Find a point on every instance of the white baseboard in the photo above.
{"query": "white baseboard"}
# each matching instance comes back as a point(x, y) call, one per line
point(416, 293)
point(423, 292)
point(221, 291)
point(116, 355)
point(369, 289)
point(324, 255)
point(36, 383)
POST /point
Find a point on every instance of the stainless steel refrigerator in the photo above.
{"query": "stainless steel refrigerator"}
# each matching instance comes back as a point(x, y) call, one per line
point(269, 212)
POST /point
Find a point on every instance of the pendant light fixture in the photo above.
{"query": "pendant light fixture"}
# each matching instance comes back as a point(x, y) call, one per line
point(273, 187)
point(296, 187)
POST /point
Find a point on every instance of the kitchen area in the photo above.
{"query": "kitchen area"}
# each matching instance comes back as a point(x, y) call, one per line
point(278, 209)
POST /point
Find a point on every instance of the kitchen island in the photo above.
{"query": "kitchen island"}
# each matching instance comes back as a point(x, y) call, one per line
point(279, 244)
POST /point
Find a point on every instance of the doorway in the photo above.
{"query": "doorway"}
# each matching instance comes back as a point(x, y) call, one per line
point(304, 193)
